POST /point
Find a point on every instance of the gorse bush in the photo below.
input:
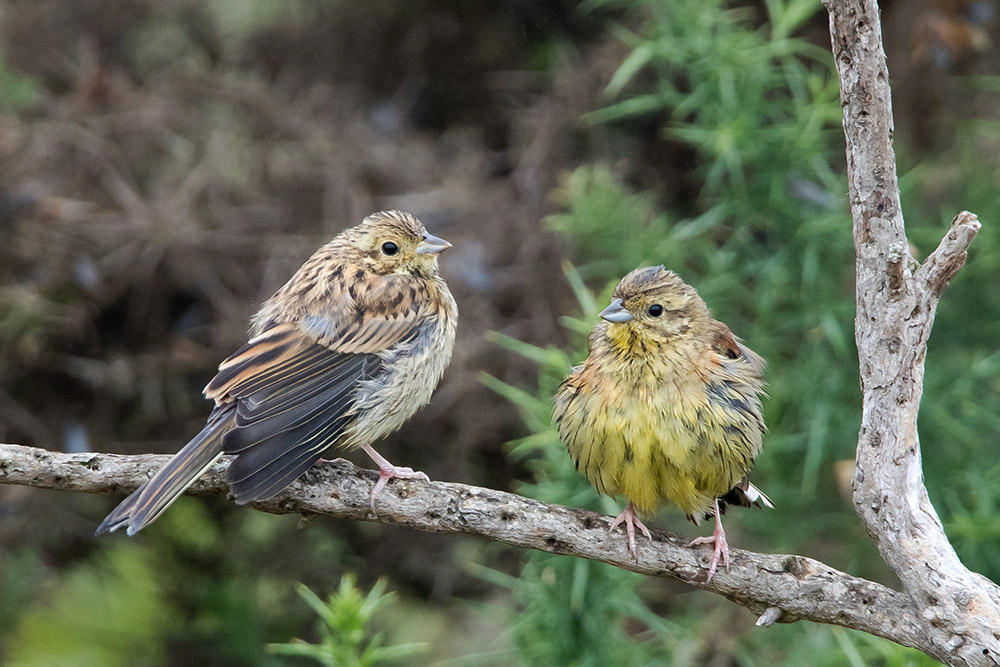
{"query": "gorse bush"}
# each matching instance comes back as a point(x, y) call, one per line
point(766, 238)
point(758, 106)
point(346, 639)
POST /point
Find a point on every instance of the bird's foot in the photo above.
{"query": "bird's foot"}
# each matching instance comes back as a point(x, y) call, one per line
point(385, 473)
point(721, 551)
point(629, 518)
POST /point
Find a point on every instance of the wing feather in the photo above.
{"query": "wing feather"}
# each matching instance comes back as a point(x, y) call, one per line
point(266, 469)
point(295, 384)
point(726, 344)
point(307, 402)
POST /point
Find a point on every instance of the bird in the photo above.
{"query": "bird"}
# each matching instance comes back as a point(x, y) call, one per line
point(341, 356)
point(666, 409)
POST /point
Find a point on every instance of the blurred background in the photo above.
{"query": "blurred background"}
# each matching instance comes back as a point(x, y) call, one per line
point(164, 167)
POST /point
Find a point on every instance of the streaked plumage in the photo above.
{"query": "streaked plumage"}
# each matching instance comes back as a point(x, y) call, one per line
point(666, 408)
point(344, 353)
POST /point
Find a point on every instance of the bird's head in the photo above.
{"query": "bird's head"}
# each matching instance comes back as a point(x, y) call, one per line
point(395, 242)
point(655, 306)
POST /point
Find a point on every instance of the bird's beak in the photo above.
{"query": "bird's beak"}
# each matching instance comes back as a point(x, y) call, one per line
point(432, 245)
point(616, 312)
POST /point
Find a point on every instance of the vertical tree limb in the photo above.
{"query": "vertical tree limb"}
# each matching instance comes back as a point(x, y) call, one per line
point(896, 302)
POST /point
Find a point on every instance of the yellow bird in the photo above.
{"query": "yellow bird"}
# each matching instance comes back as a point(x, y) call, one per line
point(666, 408)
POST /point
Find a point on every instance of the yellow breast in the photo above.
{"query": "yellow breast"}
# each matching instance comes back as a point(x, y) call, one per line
point(666, 443)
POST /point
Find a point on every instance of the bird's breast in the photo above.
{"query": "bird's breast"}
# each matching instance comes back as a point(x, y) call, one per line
point(657, 442)
point(408, 374)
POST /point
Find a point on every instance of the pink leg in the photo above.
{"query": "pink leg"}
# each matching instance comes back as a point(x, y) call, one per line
point(629, 518)
point(387, 471)
point(718, 538)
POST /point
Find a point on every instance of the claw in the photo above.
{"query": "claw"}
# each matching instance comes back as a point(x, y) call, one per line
point(629, 518)
point(390, 472)
point(718, 539)
point(387, 471)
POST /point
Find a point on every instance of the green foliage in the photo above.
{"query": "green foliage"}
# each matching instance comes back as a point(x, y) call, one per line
point(21, 573)
point(608, 223)
point(821, 646)
point(577, 612)
point(196, 587)
point(791, 303)
point(765, 241)
point(343, 629)
point(118, 589)
point(739, 96)
point(18, 92)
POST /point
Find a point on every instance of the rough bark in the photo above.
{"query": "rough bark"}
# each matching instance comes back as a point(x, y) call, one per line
point(896, 301)
point(779, 587)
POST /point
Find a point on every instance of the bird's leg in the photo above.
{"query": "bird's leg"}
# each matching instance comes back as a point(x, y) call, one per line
point(718, 538)
point(387, 471)
point(629, 518)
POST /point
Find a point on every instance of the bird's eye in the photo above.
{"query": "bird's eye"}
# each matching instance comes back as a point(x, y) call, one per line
point(656, 310)
point(389, 248)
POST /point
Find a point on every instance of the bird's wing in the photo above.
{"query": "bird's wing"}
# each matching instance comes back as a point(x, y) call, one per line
point(294, 385)
point(726, 344)
point(383, 313)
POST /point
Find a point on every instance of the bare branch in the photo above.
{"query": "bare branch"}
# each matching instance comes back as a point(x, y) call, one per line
point(942, 264)
point(896, 302)
point(779, 587)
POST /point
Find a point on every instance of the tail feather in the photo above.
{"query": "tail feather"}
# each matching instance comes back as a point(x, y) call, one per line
point(744, 494)
point(148, 502)
point(757, 497)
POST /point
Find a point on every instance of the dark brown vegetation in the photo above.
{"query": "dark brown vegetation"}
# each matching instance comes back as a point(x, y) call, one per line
point(172, 177)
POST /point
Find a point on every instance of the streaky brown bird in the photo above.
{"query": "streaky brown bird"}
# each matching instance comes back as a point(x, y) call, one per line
point(666, 408)
point(341, 356)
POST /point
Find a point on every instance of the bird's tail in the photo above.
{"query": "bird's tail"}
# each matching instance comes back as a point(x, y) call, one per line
point(757, 497)
point(148, 502)
point(745, 494)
